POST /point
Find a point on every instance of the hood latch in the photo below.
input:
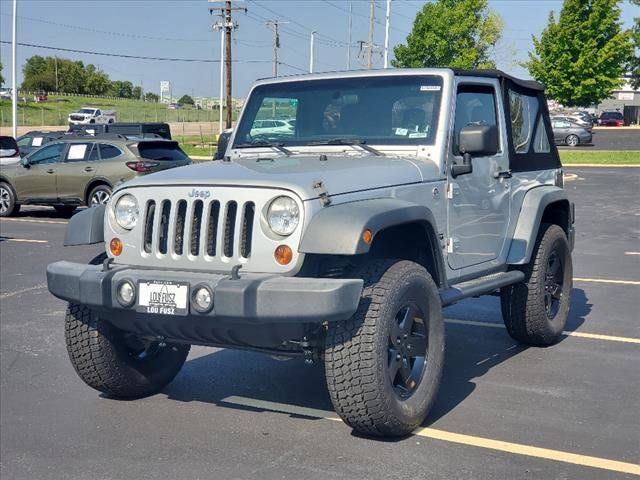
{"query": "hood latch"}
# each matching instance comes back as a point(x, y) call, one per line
point(322, 193)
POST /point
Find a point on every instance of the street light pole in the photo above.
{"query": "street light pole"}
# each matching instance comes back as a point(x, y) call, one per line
point(313, 34)
point(386, 34)
point(14, 81)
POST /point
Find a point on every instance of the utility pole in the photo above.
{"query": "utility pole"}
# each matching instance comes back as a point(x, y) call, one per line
point(227, 26)
point(220, 26)
point(311, 40)
point(349, 36)
point(56, 61)
point(14, 80)
point(274, 24)
point(387, 23)
point(372, 12)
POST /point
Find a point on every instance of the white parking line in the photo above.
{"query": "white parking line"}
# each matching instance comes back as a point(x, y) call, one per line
point(632, 253)
point(606, 280)
point(30, 220)
point(22, 240)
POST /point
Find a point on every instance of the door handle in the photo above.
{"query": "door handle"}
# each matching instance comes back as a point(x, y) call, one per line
point(51, 170)
point(88, 169)
point(505, 174)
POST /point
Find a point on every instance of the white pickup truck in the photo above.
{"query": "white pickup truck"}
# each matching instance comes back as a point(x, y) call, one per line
point(87, 115)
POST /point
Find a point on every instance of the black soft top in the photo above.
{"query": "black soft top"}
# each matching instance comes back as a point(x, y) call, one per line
point(499, 74)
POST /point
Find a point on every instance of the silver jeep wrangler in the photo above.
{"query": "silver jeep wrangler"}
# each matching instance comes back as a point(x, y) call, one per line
point(336, 235)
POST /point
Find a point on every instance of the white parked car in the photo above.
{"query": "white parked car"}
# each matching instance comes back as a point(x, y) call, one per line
point(266, 127)
point(92, 115)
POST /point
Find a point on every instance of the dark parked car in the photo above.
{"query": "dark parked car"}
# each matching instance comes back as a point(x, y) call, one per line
point(36, 139)
point(76, 171)
point(9, 151)
point(611, 119)
point(569, 133)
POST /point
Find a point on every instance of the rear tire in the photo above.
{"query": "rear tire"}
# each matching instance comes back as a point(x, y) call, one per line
point(383, 365)
point(115, 362)
point(572, 140)
point(535, 311)
point(99, 195)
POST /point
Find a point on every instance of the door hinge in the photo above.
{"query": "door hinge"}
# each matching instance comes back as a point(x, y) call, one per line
point(453, 244)
point(453, 189)
point(322, 193)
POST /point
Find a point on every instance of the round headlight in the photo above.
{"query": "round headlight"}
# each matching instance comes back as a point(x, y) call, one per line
point(283, 216)
point(126, 211)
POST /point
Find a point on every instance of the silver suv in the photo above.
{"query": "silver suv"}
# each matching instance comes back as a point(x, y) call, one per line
point(397, 193)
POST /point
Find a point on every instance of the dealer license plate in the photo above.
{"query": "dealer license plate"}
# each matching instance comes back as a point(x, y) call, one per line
point(162, 297)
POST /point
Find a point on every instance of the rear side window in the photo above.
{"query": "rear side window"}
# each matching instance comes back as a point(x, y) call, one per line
point(109, 151)
point(161, 151)
point(77, 152)
point(8, 143)
point(93, 154)
point(523, 110)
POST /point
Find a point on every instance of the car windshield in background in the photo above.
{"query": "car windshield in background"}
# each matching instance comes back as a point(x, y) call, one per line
point(612, 116)
point(161, 151)
point(395, 110)
point(86, 110)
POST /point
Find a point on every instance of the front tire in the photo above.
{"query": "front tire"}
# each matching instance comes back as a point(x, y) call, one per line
point(115, 362)
point(8, 205)
point(383, 365)
point(535, 311)
point(572, 140)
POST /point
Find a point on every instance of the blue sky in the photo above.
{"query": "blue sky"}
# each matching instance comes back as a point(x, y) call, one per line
point(182, 29)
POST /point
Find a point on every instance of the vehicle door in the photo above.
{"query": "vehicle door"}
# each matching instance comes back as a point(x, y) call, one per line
point(39, 176)
point(478, 202)
point(77, 170)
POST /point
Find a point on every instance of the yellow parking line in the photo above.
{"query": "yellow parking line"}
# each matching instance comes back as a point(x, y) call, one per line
point(593, 336)
point(461, 439)
point(606, 280)
point(24, 240)
point(29, 220)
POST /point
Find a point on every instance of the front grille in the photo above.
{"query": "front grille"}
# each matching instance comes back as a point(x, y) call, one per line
point(198, 228)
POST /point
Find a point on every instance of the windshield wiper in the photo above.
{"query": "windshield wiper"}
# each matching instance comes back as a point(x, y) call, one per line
point(352, 142)
point(264, 143)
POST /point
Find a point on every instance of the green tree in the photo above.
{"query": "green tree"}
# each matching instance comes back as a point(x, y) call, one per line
point(151, 97)
point(581, 57)
point(186, 100)
point(122, 89)
point(451, 33)
point(137, 92)
point(97, 82)
point(634, 66)
point(37, 75)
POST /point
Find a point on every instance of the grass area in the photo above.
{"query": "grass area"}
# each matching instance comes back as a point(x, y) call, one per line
point(569, 157)
point(55, 111)
point(196, 145)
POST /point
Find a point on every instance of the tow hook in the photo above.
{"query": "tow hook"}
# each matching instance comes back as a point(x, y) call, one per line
point(234, 272)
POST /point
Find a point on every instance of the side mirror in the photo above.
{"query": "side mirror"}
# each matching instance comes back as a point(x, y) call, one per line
point(25, 162)
point(475, 141)
point(223, 142)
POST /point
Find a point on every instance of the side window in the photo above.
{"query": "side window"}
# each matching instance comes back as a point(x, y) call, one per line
point(24, 142)
point(77, 152)
point(49, 154)
point(93, 154)
point(523, 110)
point(541, 142)
point(98, 112)
point(109, 151)
point(475, 105)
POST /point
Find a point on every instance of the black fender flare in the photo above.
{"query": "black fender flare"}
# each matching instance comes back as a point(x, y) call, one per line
point(86, 227)
point(337, 230)
point(533, 207)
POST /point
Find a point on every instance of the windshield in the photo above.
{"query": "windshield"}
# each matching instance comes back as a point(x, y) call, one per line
point(612, 116)
point(86, 110)
point(396, 110)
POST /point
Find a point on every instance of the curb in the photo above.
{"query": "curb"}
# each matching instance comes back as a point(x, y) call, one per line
point(598, 165)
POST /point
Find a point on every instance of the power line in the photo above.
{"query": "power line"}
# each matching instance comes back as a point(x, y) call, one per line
point(106, 32)
point(137, 57)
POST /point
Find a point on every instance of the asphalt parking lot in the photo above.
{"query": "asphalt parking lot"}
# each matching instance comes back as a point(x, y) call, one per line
point(504, 411)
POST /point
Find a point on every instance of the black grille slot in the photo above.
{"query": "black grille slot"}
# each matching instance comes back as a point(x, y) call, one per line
point(178, 242)
point(148, 225)
point(212, 227)
point(247, 229)
point(196, 224)
point(229, 228)
point(164, 227)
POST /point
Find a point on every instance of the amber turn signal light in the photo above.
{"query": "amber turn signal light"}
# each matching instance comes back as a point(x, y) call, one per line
point(367, 236)
point(115, 247)
point(283, 254)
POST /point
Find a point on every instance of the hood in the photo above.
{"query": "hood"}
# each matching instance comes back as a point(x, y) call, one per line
point(339, 174)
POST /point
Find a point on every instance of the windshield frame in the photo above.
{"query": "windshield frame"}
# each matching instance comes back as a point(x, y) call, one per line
point(434, 84)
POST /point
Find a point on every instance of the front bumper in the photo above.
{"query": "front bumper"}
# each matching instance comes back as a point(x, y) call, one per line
point(251, 299)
